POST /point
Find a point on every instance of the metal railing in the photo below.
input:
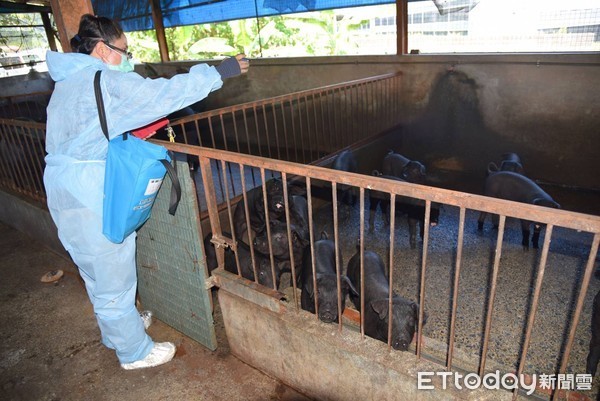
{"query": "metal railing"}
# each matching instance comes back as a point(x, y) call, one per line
point(308, 174)
point(22, 152)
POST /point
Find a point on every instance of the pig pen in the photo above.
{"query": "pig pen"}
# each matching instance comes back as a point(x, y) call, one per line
point(506, 322)
point(565, 266)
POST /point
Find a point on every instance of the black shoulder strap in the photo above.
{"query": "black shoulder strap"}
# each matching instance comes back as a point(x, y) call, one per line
point(175, 185)
point(100, 103)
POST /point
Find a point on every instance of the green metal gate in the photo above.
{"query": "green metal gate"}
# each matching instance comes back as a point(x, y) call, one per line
point(170, 266)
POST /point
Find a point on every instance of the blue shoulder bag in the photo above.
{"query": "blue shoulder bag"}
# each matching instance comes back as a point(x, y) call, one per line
point(135, 170)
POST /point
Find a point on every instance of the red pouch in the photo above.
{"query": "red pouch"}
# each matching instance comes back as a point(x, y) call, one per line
point(147, 130)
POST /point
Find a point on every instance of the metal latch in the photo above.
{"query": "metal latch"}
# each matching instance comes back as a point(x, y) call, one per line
point(225, 242)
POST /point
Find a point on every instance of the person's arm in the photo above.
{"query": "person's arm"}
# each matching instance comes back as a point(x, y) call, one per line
point(132, 101)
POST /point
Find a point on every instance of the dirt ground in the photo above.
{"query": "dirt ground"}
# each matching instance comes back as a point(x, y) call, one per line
point(51, 348)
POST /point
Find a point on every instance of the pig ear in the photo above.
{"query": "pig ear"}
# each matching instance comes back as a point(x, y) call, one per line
point(301, 240)
point(381, 307)
point(348, 285)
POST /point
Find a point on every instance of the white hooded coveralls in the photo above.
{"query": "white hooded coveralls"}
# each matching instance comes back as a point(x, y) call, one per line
point(74, 177)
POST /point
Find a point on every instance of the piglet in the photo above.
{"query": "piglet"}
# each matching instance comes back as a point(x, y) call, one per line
point(405, 313)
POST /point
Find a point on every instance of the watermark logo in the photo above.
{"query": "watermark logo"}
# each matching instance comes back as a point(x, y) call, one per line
point(507, 381)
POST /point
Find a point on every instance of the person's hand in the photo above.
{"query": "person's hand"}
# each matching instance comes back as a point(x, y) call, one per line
point(243, 62)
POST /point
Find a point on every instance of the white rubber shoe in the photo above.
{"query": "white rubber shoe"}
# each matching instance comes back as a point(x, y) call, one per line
point(161, 353)
point(146, 318)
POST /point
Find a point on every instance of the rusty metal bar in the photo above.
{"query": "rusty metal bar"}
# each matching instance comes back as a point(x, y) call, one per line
point(312, 244)
point(423, 269)
point(490, 309)
point(237, 260)
point(459, 248)
point(211, 203)
point(268, 224)
point(534, 304)
point(392, 212)
point(266, 131)
point(589, 268)
point(362, 262)
point(289, 235)
point(338, 261)
point(248, 227)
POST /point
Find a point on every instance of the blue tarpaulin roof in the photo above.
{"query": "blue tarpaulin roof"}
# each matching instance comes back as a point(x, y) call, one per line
point(136, 15)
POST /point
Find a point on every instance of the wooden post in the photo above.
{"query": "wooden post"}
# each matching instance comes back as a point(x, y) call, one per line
point(159, 28)
point(67, 14)
point(402, 26)
point(49, 31)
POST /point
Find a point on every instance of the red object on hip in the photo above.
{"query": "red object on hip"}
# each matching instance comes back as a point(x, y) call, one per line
point(150, 129)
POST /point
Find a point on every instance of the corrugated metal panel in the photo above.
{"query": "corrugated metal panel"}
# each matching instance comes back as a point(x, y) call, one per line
point(171, 273)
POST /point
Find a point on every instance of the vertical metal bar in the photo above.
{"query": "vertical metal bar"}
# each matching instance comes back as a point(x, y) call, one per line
point(268, 223)
point(490, 309)
point(289, 235)
point(276, 132)
point(227, 165)
point(296, 159)
point(235, 132)
point(249, 148)
point(268, 138)
point(423, 268)
point(237, 260)
point(325, 135)
point(335, 117)
point(534, 303)
point(211, 203)
point(338, 262)
point(315, 146)
point(362, 262)
point(312, 244)
point(459, 248)
point(391, 273)
point(304, 160)
point(285, 133)
point(589, 268)
point(248, 226)
point(257, 131)
point(198, 134)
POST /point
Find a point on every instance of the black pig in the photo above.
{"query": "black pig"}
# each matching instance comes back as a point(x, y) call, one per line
point(518, 188)
point(346, 161)
point(326, 281)
point(256, 209)
point(405, 313)
point(414, 209)
point(396, 165)
point(263, 263)
point(510, 162)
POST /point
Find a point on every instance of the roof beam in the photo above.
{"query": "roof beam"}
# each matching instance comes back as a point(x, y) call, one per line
point(67, 14)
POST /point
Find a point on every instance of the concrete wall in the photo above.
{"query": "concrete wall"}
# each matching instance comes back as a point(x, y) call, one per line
point(318, 360)
point(463, 111)
point(32, 219)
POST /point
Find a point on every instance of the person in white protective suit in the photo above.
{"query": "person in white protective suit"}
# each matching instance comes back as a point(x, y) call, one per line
point(74, 174)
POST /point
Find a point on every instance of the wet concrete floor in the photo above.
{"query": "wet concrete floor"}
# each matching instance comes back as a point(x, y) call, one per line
point(51, 348)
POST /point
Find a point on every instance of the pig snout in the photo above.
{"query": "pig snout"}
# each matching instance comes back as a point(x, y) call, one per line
point(328, 314)
point(400, 344)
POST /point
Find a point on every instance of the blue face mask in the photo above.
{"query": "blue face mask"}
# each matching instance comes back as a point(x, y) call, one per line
point(125, 65)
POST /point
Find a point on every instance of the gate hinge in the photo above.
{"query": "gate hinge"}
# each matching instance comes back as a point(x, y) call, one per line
point(211, 282)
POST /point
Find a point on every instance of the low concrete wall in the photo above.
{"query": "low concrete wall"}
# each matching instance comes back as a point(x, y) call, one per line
point(32, 219)
point(318, 360)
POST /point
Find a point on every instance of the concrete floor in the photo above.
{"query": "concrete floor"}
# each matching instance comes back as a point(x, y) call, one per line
point(51, 348)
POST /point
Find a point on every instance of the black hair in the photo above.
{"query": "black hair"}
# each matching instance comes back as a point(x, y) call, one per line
point(94, 29)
